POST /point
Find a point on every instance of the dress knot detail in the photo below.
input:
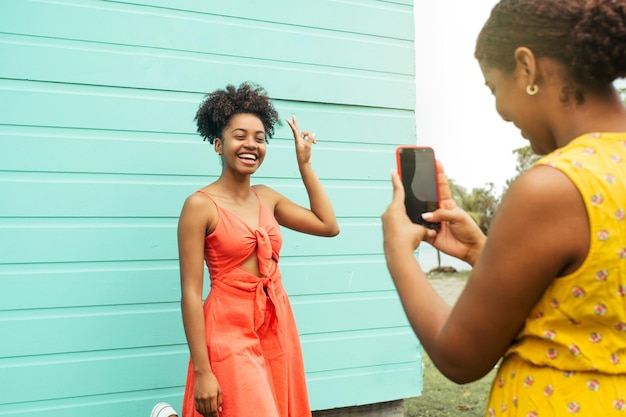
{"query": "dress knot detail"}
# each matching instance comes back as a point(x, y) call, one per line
point(263, 250)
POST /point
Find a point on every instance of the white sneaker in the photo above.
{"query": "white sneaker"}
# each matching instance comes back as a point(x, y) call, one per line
point(163, 410)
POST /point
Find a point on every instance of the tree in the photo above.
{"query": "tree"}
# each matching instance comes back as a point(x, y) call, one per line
point(526, 158)
point(479, 203)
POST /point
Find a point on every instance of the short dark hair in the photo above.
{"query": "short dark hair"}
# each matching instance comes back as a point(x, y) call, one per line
point(219, 106)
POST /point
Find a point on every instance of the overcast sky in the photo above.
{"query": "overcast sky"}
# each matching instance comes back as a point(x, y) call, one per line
point(455, 112)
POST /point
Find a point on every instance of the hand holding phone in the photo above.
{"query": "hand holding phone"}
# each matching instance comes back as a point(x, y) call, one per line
point(418, 172)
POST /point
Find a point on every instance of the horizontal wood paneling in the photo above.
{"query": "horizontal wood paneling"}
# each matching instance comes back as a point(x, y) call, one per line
point(106, 196)
point(137, 67)
point(71, 106)
point(348, 312)
point(208, 34)
point(334, 387)
point(124, 327)
point(71, 241)
point(91, 329)
point(323, 353)
point(64, 285)
point(89, 374)
point(140, 373)
point(98, 150)
point(80, 113)
point(136, 403)
point(365, 19)
point(113, 196)
point(175, 160)
point(47, 286)
point(328, 352)
point(335, 275)
point(115, 240)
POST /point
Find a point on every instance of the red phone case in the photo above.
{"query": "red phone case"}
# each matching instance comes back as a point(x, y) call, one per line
point(416, 218)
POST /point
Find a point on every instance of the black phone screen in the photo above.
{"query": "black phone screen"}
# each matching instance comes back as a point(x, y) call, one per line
point(419, 179)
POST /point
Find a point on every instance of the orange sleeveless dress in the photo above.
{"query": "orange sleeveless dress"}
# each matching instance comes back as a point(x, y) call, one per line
point(251, 335)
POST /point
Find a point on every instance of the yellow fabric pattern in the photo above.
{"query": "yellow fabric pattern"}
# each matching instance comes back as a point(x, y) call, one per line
point(570, 357)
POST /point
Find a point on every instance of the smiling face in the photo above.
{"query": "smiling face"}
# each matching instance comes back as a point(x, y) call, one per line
point(508, 95)
point(242, 145)
point(515, 105)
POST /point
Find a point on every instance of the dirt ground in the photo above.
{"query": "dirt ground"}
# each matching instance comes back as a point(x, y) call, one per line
point(449, 286)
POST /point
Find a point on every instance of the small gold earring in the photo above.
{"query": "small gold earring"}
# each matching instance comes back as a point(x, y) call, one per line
point(532, 90)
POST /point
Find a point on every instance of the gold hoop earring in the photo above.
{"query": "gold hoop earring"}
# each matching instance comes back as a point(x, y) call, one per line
point(532, 90)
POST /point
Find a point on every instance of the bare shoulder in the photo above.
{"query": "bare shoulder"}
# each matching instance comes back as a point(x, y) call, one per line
point(544, 210)
point(263, 189)
point(269, 196)
point(543, 189)
point(197, 201)
point(200, 210)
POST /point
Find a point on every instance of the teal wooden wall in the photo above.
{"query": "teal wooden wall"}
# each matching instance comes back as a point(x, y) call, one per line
point(98, 151)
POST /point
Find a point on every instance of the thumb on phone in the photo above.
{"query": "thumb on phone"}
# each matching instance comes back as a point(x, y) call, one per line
point(398, 189)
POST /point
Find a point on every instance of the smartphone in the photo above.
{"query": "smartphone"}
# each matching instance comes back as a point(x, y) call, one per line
point(417, 170)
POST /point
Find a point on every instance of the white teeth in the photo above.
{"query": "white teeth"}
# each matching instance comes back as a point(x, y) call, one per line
point(248, 156)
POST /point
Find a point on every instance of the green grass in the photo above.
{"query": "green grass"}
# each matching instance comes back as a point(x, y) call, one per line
point(442, 397)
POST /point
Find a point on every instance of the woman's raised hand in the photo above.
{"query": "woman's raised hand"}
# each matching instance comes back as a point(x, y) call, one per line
point(303, 140)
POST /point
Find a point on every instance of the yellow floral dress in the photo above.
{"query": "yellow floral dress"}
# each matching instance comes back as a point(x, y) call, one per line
point(570, 357)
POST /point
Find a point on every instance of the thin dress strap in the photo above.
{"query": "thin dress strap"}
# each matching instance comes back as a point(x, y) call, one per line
point(206, 194)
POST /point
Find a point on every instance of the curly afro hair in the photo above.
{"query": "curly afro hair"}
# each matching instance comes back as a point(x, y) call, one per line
point(588, 37)
point(219, 106)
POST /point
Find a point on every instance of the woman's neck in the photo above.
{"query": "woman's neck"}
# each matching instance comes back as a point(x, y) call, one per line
point(600, 112)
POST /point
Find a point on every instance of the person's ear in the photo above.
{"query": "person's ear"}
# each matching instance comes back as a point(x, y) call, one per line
point(526, 65)
point(217, 145)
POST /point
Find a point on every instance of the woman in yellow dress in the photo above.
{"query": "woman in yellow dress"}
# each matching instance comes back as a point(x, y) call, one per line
point(546, 297)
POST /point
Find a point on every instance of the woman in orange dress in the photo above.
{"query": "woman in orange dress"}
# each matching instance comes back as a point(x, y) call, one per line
point(246, 358)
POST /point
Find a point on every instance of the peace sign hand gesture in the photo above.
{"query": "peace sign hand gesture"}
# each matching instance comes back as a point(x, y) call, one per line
point(303, 140)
